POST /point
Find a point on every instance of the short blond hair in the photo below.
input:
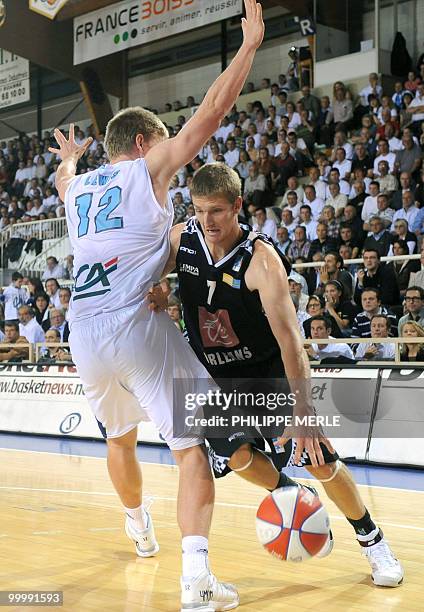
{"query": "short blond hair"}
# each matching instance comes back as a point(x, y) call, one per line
point(218, 179)
point(123, 128)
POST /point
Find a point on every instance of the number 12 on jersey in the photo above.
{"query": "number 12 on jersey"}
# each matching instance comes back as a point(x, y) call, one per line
point(103, 221)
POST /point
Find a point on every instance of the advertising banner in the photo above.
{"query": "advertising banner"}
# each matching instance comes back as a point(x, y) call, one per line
point(48, 8)
point(14, 79)
point(134, 22)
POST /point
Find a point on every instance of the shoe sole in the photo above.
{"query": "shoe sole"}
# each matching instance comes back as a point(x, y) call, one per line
point(141, 553)
point(387, 584)
point(211, 607)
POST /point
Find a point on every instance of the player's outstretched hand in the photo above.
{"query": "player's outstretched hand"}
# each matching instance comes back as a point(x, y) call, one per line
point(69, 148)
point(309, 440)
point(253, 25)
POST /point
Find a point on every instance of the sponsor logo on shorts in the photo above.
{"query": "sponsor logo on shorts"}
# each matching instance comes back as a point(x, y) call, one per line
point(216, 329)
point(96, 277)
point(193, 270)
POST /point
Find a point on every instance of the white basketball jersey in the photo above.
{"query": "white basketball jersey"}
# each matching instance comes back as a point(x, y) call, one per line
point(119, 235)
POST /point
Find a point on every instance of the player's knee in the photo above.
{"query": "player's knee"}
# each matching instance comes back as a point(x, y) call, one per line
point(241, 458)
point(126, 442)
point(323, 472)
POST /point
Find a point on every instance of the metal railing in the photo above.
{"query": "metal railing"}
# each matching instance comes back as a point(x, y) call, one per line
point(48, 229)
point(353, 341)
point(21, 347)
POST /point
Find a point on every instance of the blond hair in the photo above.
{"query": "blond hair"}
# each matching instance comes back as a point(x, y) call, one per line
point(212, 180)
point(123, 128)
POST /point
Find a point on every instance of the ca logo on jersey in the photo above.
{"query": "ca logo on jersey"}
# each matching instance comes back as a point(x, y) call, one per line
point(216, 329)
point(97, 275)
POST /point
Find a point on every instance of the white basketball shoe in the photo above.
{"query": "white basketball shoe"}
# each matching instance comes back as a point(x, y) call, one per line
point(146, 544)
point(205, 594)
point(385, 568)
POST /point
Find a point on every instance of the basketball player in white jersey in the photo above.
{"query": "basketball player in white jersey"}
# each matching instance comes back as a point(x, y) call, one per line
point(119, 218)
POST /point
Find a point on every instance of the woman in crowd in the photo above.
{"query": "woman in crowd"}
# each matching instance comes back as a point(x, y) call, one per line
point(412, 351)
point(405, 117)
point(243, 166)
point(402, 269)
point(401, 232)
point(315, 307)
point(293, 116)
point(41, 309)
point(251, 150)
point(35, 287)
point(265, 164)
point(336, 306)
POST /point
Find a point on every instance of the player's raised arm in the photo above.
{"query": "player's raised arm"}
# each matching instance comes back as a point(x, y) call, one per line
point(164, 159)
point(69, 152)
point(267, 275)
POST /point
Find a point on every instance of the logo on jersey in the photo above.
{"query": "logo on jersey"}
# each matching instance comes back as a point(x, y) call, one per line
point(193, 270)
point(187, 250)
point(237, 264)
point(230, 280)
point(97, 276)
point(216, 329)
point(101, 179)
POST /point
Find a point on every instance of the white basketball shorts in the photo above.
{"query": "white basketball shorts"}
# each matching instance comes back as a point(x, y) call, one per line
point(127, 361)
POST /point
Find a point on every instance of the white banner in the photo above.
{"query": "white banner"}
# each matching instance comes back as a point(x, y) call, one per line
point(48, 8)
point(14, 79)
point(134, 22)
point(49, 400)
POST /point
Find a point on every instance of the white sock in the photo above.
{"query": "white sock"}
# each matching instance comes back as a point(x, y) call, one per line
point(369, 537)
point(138, 515)
point(195, 555)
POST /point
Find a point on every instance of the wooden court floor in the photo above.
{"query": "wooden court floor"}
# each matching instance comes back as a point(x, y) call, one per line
point(61, 528)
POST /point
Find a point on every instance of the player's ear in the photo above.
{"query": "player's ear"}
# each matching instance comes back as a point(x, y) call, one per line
point(139, 143)
point(237, 204)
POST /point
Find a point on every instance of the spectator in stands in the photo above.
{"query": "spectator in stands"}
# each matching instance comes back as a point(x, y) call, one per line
point(336, 199)
point(310, 102)
point(320, 187)
point(370, 207)
point(376, 351)
point(371, 304)
point(325, 122)
point(373, 88)
point(298, 286)
point(378, 239)
point(402, 269)
point(11, 336)
point(333, 270)
point(52, 290)
point(315, 307)
point(417, 278)
point(264, 225)
point(288, 222)
point(284, 167)
point(376, 275)
point(383, 155)
point(29, 328)
point(383, 211)
point(323, 244)
point(53, 269)
point(416, 109)
point(13, 296)
point(338, 307)
point(58, 321)
point(175, 313)
point(406, 184)
point(41, 309)
point(35, 286)
point(232, 155)
point(283, 240)
point(346, 239)
point(331, 352)
point(52, 354)
point(401, 232)
point(328, 216)
point(65, 298)
point(293, 205)
point(300, 246)
point(412, 351)
point(308, 223)
point(387, 182)
point(254, 186)
point(409, 158)
point(414, 306)
point(342, 110)
point(408, 211)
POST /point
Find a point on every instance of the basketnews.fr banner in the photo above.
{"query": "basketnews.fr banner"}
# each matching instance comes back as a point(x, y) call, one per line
point(135, 22)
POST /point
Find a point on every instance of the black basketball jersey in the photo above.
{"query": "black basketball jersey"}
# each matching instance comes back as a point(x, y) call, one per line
point(225, 322)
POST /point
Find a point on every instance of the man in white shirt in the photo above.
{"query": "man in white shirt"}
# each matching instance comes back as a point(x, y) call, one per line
point(316, 204)
point(53, 269)
point(343, 165)
point(293, 185)
point(334, 177)
point(372, 351)
point(308, 223)
point(224, 130)
point(336, 199)
point(28, 326)
point(408, 210)
point(232, 155)
point(370, 207)
point(288, 223)
point(264, 225)
point(416, 108)
point(293, 205)
point(384, 155)
point(320, 330)
point(372, 88)
point(320, 186)
point(13, 297)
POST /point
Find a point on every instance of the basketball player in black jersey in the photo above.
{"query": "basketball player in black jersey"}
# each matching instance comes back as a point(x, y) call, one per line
point(241, 323)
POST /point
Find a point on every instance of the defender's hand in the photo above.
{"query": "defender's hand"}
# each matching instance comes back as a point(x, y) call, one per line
point(69, 148)
point(253, 25)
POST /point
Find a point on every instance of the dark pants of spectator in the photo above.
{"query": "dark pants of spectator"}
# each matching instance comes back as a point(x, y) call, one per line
point(326, 135)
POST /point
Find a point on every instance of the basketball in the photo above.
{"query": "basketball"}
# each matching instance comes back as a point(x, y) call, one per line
point(292, 524)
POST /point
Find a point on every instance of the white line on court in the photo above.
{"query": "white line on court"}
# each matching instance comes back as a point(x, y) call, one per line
point(158, 497)
point(18, 450)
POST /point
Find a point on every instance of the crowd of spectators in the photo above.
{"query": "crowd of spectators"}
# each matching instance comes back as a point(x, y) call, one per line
point(328, 179)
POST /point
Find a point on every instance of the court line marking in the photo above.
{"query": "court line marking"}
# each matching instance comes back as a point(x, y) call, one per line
point(160, 498)
point(171, 465)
